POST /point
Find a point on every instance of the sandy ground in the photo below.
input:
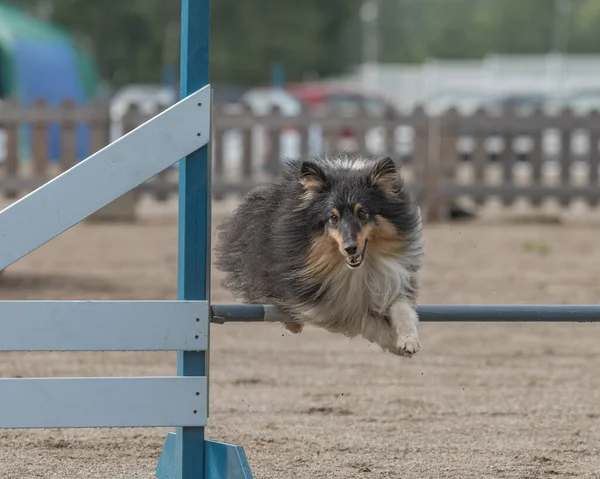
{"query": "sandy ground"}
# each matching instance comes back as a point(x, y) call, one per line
point(479, 400)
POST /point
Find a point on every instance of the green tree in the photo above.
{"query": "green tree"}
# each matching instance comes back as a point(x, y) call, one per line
point(516, 26)
point(306, 35)
point(134, 40)
point(585, 31)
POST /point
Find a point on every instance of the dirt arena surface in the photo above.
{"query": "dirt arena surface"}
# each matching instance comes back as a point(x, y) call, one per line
point(478, 401)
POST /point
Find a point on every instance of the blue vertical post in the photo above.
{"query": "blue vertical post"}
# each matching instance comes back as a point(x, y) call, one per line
point(186, 454)
point(194, 222)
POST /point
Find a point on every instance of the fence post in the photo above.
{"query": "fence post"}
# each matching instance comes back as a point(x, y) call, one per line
point(248, 146)
point(217, 152)
point(448, 158)
point(479, 156)
point(304, 125)
point(390, 122)
point(99, 125)
point(274, 133)
point(426, 165)
point(68, 141)
point(329, 122)
point(536, 157)
point(124, 207)
point(162, 179)
point(508, 154)
point(566, 152)
point(40, 140)
point(11, 127)
point(593, 120)
point(363, 122)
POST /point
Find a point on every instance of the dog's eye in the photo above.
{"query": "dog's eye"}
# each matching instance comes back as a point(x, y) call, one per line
point(361, 215)
point(334, 219)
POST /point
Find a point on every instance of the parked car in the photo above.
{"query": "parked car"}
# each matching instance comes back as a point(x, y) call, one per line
point(261, 102)
point(521, 103)
point(292, 100)
point(349, 102)
point(149, 98)
point(465, 102)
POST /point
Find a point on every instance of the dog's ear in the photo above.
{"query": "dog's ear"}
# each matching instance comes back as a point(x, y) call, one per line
point(312, 176)
point(385, 175)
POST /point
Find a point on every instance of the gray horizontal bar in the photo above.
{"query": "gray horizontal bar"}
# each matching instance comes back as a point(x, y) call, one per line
point(222, 313)
point(103, 325)
point(103, 402)
point(509, 313)
point(227, 313)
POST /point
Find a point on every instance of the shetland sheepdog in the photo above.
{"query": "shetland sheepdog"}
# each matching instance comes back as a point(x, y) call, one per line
point(334, 242)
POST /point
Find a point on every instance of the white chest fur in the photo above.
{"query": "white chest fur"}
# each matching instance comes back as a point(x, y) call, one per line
point(352, 293)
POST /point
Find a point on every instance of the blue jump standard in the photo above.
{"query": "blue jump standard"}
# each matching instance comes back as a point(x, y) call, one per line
point(222, 461)
point(186, 454)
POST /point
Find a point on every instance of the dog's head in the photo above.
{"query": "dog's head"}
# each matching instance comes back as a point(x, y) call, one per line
point(350, 204)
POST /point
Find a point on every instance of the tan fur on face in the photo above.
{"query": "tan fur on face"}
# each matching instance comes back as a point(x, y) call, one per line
point(383, 238)
point(324, 258)
point(363, 235)
point(337, 237)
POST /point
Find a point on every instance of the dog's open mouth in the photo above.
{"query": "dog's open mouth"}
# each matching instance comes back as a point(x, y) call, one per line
point(355, 260)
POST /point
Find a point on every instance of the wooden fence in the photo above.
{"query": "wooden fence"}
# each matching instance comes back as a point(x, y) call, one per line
point(444, 158)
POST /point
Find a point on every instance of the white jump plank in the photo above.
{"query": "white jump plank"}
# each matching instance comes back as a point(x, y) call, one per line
point(103, 402)
point(104, 325)
point(108, 174)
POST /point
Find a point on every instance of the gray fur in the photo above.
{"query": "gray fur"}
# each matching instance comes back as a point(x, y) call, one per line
point(264, 245)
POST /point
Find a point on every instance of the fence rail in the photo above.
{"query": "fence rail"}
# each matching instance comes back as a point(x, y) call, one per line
point(479, 156)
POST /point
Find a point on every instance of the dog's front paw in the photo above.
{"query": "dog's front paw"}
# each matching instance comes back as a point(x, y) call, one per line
point(407, 345)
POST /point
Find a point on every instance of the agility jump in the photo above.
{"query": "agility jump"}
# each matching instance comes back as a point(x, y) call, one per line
point(182, 131)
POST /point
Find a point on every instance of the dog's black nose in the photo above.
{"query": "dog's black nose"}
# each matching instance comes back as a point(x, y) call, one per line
point(351, 249)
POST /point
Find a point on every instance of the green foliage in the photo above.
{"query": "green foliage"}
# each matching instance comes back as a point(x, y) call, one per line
point(515, 26)
point(134, 40)
point(304, 34)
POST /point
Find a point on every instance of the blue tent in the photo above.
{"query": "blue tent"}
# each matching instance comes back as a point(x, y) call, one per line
point(40, 61)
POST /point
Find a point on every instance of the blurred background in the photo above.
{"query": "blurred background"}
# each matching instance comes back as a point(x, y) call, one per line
point(414, 79)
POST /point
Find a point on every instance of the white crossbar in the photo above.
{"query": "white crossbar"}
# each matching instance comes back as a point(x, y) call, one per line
point(103, 402)
point(104, 325)
point(105, 176)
